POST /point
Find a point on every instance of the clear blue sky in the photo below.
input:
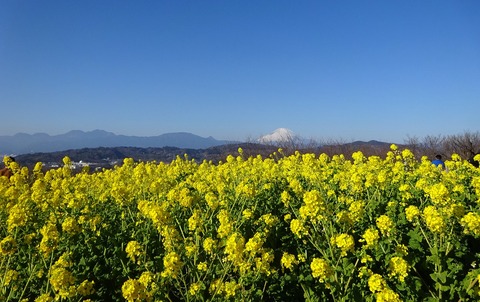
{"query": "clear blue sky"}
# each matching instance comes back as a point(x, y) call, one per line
point(351, 70)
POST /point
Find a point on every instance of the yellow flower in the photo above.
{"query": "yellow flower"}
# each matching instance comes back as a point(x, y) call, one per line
point(296, 186)
point(411, 212)
point(195, 221)
point(288, 260)
point(170, 237)
point(67, 161)
point(388, 295)
point(8, 246)
point(247, 214)
point(385, 224)
point(10, 275)
point(63, 261)
point(216, 287)
point(86, 288)
point(262, 263)
point(471, 223)
point(172, 265)
point(344, 217)
point(255, 243)
point(39, 273)
point(231, 288)
point(297, 228)
point(7, 160)
point(17, 217)
point(195, 288)
point(399, 268)
point(301, 258)
point(209, 245)
point(439, 194)
point(477, 157)
point(44, 298)
point(356, 210)
point(269, 219)
point(157, 213)
point(314, 207)
point(401, 249)
point(133, 290)
point(358, 157)
point(133, 250)
point(146, 278)
point(376, 283)
point(364, 271)
point(234, 248)
point(433, 219)
point(211, 200)
point(50, 238)
point(183, 197)
point(345, 242)
point(70, 225)
point(382, 177)
point(190, 248)
point(366, 259)
point(226, 226)
point(370, 237)
point(321, 269)
point(62, 282)
point(202, 266)
point(285, 198)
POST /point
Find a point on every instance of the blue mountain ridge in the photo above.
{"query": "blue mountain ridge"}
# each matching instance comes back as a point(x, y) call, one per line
point(22, 143)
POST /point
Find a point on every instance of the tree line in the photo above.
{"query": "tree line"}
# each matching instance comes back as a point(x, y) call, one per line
point(466, 145)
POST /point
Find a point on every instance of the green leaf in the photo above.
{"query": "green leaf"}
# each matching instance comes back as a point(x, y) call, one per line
point(82, 261)
point(439, 278)
point(415, 240)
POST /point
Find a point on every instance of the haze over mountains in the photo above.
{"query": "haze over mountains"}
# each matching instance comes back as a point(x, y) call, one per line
point(23, 143)
point(101, 149)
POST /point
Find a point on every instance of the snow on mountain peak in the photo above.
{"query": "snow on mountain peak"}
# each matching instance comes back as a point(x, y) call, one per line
point(279, 135)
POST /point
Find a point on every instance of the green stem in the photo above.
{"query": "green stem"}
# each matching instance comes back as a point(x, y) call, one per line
point(425, 236)
point(350, 277)
point(32, 270)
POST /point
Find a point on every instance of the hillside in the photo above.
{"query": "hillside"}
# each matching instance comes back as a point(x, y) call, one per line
point(108, 157)
point(104, 157)
point(22, 143)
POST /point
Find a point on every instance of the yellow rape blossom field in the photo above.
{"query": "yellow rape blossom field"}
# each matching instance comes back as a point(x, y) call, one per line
point(301, 227)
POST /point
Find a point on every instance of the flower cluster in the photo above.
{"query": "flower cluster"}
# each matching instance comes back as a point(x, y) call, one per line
point(280, 228)
point(321, 269)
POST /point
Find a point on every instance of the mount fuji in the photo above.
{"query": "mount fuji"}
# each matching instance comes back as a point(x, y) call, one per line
point(280, 135)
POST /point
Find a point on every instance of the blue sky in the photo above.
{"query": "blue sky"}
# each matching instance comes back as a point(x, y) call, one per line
point(350, 70)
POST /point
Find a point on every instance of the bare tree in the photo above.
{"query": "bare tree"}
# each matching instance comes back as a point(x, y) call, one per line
point(414, 144)
point(335, 146)
point(433, 145)
point(466, 145)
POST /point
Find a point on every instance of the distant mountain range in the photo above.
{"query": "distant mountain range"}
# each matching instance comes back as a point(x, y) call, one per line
point(23, 143)
point(107, 157)
point(100, 149)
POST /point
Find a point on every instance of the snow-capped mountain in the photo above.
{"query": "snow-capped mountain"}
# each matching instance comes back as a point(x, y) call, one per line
point(280, 135)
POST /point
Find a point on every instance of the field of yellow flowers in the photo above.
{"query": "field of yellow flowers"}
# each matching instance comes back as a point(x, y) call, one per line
point(283, 228)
